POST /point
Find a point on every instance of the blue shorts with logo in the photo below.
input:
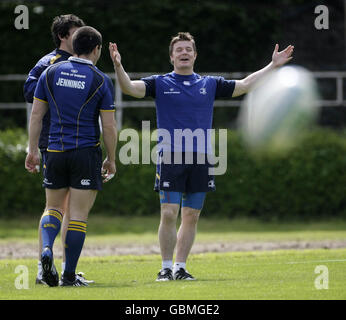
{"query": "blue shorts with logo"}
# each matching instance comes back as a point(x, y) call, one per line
point(77, 168)
point(189, 175)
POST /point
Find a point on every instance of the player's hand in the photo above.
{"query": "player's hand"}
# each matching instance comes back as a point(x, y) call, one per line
point(282, 57)
point(115, 55)
point(32, 162)
point(108, 170)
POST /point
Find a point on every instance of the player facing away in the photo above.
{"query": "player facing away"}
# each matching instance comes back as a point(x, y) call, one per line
point(184, 100)
point(76, 93)
point(62, 29)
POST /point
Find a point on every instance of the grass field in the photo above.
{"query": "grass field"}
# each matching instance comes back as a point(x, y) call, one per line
point(242, 275)
point(260, 275)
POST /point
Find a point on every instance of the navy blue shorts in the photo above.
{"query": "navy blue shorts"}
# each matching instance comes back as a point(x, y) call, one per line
point(44, 159)
point(184, 176)
point(77, 168)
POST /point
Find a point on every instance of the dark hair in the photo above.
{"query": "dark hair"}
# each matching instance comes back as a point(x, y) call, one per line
point(85, 39)
point(182, 36)
point(62, 24)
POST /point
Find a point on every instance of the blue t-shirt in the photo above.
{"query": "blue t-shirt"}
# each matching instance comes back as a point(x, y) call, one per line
point(76, 92)
point(184, 109)
point(55, 56)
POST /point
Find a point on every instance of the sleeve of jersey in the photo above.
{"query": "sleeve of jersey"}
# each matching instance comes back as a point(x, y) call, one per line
point(224, 88)
point(31, 81)
point(107, 102)
point(150, 86)
point(40, 91)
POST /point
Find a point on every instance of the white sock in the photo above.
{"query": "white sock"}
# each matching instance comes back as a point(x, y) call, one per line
point(178, 265)
point(39, 270)
point(167, 264)
point(63, 266)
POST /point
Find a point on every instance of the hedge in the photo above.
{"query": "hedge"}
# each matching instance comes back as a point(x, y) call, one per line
point(308, 183)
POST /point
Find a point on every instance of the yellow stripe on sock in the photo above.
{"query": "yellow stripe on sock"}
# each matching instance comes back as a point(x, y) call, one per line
point(78, 223)
point(75, 229)
point(53, 213)
point(53, 210)
point(77, 226)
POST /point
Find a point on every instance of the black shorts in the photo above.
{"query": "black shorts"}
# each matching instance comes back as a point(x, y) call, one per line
point(184, 176)
point(44, 158)
point(77, 168)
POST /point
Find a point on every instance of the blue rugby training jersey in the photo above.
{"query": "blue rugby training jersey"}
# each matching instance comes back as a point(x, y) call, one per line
point(55, 56)
point(184, 108)
point(76, 92)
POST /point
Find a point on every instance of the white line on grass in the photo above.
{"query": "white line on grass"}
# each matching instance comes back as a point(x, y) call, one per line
point(289, 262)
point(316, 261)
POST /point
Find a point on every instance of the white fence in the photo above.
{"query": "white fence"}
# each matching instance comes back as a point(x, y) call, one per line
point(338, 77)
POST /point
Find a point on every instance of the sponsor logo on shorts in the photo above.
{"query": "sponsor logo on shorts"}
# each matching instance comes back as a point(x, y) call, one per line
point(45, 181)
point(211, 184)
point(85, 182)
point(166, 184)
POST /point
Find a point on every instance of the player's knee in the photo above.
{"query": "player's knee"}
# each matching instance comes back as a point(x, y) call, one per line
point(190, 215)
point(169, 214)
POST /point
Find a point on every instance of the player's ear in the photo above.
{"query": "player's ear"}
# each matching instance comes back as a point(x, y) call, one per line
point(65, 37)
point(95, 50)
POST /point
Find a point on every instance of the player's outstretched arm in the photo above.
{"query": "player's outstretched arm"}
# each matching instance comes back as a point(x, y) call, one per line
point(279, 58)
point(132, 88)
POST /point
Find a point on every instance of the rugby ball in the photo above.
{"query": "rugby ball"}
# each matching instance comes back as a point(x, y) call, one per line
point(278, 110)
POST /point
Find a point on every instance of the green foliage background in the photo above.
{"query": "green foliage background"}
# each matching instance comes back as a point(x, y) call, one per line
point(227, 34)
point(230, 36)
point(224, 31)
point(307, 183)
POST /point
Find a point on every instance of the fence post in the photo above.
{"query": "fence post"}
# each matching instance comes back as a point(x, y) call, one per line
point(339, 85)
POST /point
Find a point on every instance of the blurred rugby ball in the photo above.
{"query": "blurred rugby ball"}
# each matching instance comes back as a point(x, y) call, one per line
point(278, 110)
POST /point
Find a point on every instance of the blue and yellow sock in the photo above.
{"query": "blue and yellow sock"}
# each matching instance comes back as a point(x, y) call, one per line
point(50, 227)
point(75, 237)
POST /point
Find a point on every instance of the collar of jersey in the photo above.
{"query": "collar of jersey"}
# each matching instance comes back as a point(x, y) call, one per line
point(80, 60)
point(181, 77)
point(63, 52)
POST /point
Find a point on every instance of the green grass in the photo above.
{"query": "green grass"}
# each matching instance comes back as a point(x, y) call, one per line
point(280, 274)
point(264, 275)
point(126, 229)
